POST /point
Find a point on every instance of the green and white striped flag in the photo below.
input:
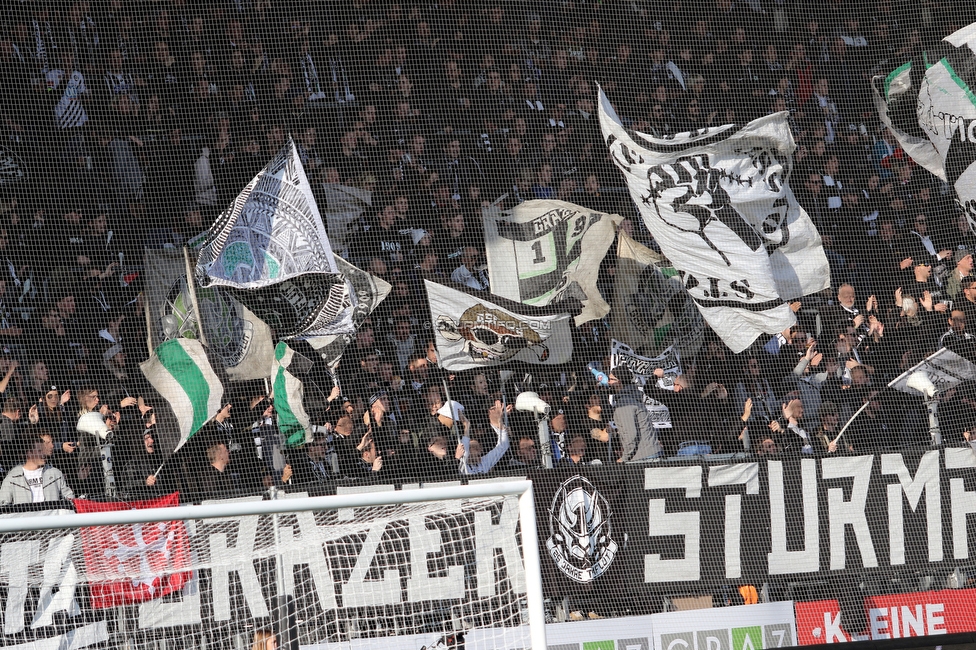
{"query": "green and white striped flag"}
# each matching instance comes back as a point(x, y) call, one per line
point(180, 371)
point(288, 393)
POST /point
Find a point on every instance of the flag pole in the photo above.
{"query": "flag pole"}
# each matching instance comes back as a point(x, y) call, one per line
point(193, 295)
point(145, 304)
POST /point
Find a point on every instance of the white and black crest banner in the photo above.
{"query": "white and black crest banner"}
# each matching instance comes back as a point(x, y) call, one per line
point(718, 202)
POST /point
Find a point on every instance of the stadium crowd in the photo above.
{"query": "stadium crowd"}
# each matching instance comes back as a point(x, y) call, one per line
point(137, 122)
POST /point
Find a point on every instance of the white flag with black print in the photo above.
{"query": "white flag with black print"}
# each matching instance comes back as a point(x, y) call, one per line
point(471, 332)
point(931, 109)
point(542, 251)
point(718, 203)
point(271, 247)
point(370, 292)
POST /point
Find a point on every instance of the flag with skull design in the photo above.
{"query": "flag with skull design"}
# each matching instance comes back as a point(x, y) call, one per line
point(472, 332)
point(718, 203)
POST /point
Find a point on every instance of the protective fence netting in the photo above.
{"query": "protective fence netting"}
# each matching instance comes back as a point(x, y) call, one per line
point(311, 577)
point(702, 270)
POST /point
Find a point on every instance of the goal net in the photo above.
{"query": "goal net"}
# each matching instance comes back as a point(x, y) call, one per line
point(448, 573)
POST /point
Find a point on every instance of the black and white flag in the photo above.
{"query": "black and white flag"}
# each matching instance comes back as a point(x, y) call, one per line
point(651, 307)
point(271, 247)
point(239, 339)
point(370, 292)
point(931, 109)
point(471, 332)
point(542, 251)
point(718, 202)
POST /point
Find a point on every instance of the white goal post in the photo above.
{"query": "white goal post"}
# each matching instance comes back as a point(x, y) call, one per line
point(520, 488)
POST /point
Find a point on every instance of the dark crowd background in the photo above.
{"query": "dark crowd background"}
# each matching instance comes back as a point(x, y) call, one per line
point(135, 123)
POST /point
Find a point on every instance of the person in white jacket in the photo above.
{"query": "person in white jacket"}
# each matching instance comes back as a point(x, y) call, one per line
point(472, 456)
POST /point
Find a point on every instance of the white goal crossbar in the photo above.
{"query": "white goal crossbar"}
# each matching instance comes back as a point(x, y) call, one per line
point(523, 488)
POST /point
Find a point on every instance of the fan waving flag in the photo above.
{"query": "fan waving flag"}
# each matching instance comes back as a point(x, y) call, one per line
point(541, 252)
point(130, 564)
point(288, 393)
point(472, 332)
point(719, 204)
point(180, 371)
point(271, 247)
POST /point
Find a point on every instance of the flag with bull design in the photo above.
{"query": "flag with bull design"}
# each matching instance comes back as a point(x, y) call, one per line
point(719, 204)
point(541, 252)
point(472, 332)
point(931, 110)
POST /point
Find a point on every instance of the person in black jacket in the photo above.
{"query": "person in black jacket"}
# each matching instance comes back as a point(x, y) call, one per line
point(310, 464)
point(142, 464)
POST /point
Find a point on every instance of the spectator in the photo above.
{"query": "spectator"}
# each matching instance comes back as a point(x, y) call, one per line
point(638, 437)
point(35, 481)
point(471, 273)
point(471, 453)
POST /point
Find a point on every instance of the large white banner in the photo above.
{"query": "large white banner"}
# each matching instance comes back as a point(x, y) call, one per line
point(542, 252)
point(472, 332)
point(718, 203)
point(936, 123)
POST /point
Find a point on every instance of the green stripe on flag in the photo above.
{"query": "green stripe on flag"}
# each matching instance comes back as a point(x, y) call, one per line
point(891, 77)
point(187, 373)
point(959, 82)
point(289, 425)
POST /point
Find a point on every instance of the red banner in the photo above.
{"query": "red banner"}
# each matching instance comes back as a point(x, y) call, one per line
point(134, 563)
point(894, 616)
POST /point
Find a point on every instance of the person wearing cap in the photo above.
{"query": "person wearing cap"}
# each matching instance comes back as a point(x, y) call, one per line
point(964, 266)
point(923, 282)
point(142, 476)
point(53, 416)
point(638, 437)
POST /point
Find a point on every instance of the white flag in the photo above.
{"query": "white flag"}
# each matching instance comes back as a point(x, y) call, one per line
point(542, 252)
point(180, 371)
point(271, 246)
point(936, 123)
point(471, 332)
point(718, 202)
